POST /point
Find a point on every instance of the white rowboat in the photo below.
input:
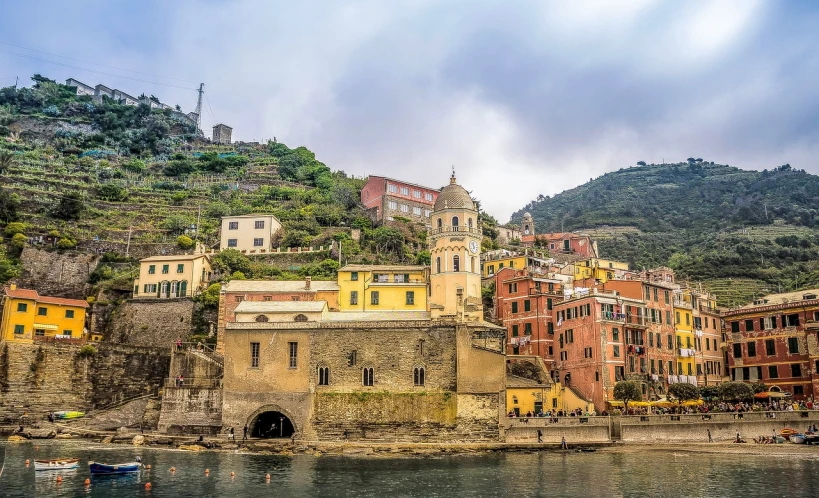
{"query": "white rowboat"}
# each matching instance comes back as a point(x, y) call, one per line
point(58, 464)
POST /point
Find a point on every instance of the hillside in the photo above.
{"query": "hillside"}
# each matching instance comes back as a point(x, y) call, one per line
point(710, 222)
point(78, 175)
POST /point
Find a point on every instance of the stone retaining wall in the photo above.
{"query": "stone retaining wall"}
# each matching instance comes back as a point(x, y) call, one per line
point(576, 430)
point(723, 426)
point(151, 322)
point(191, 410)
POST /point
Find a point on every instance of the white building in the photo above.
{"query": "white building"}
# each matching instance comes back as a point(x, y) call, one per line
point(250, 233)
point(82, 88)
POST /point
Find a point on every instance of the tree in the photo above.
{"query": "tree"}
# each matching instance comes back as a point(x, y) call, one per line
point(112, 192)
point(627, 390)
point(735, 391)
point(8, 205)
point(709, 393)
point(6, 160)
point(683, 391)
point(14, 228)
point(210, 297)
point(641, 163)
point(184, 242)
point(19, 240)
point(231, 261)
point(177, 223)
point(69, 208)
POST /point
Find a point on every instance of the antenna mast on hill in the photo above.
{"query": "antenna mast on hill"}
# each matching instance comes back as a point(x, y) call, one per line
point(199, 107)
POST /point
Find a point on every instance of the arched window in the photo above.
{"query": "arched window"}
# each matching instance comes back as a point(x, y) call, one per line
point(163, 289)
point(473, 264)
point(418, 376)
point(174, 288)
point(456, 263)
point(469, 222)
point(454, 223)
point(183, 288)
point(323, 376)
point(300, 318)
point(597, 376)
point(262, 318)
point(367, 376)
point(438, 264)
point(440, 223)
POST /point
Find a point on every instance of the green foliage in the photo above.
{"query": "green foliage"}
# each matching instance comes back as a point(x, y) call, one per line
point(69, 207)
point(184, 242)
point(6, 160)
point(177, 223)
point(300, 165)
point(9, 203)
point(297, 238)
point(9, 267)
point(626, 391)
point(14, 228)
point(19, 240)
point(683, 391)
point(87, 351)
point(66, 243)
point(210, 297)
point(423, 258)
point(112, 192)
point(735, 391)
point(178, 198)
point(230, 261)
point(709, 393)
point(237, 275)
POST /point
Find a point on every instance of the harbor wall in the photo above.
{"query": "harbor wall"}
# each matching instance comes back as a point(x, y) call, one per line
point(191, 410)
point(574, 429)
point(43, 377)
point(723, 426)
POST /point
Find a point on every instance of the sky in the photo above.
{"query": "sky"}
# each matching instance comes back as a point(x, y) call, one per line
point(523, 98)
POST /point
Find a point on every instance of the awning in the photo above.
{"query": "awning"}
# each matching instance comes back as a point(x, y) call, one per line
point(770, 394)
point(42, 326)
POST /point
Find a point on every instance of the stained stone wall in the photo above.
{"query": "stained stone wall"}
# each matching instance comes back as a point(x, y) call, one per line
point(151, 322)
point(53, 273)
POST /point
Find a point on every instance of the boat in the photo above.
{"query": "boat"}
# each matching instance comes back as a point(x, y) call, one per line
point(57, 464)
point(120, 468)
point(68, 415)
point(812, 438)
point(798, 438)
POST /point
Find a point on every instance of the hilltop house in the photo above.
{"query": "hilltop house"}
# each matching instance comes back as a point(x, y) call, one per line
point(166, 277)
point(250, 233)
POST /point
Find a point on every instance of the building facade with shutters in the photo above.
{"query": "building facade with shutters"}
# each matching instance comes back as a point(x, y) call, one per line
point(249, 233)
point(388, 198)
point(167, 277)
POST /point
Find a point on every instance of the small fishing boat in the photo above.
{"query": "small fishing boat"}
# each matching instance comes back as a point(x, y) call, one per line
point(68, 415)
point(812, 438)
point(57, 464)
point(798, 438)
point(120, 468)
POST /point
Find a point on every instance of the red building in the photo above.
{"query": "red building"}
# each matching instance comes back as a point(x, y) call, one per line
point(524, 303)
point(774, 340)
point(600, 339)
point(389, 198)
point(568, 243)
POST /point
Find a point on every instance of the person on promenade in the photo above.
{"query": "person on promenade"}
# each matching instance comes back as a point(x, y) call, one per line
point(232, 434)
point(539, 436)
point(710, 439)
point(563, 445)
point(244, 433)
point(179, 344)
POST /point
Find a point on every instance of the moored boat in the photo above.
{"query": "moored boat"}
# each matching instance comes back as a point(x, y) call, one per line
point(119, 468)
point(798, 438)
point(57, 464)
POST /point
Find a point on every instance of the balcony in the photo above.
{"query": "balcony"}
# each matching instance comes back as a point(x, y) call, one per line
point(625, 319)
point(708, 309)
point(455, 229)
point(545, 292)
point(679, 303)
point(812, 325)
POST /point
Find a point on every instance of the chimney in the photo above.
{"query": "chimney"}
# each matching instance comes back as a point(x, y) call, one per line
point(307, 283)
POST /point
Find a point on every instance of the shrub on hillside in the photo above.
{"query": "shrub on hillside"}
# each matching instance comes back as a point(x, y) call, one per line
point(112, 192)
point(69, 208)
point(66, 243)
point(184, 242)
point(14, 228)
point(19, 240)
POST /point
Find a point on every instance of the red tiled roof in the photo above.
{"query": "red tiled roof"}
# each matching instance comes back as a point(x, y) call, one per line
point(34, 296)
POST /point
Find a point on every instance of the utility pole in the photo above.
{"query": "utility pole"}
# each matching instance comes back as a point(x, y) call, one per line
point(128, 244)
point(199, 107)
point(16, 79)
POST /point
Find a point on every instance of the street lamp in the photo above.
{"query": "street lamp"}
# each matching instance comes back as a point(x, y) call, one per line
point(281, 426)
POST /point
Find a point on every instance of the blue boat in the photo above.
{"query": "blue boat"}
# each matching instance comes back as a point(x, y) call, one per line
point(100, 469)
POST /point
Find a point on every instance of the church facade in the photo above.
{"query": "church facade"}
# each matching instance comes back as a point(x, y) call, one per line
point(434, 374)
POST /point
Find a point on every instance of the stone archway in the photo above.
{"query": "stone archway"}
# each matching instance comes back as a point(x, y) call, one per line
point(271, 421)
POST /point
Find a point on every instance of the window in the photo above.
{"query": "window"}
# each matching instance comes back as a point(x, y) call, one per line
point(39, 332)
point(404, 208)
point(367, 376)
point(656, 298)
point(374, 297)
point(254, 355)
point(69, 313)
point(793, 345)
point(392, 188)
point(527, 328)
point(749, 325)
point(752, 348)
point(151, 269)
point(42, 311)
point(773, 372)
point(300, 317)
point(258, 242)
point(410, 297)
point(262, 318)
point(353, 297)
point(668, 317)
point(670, 341)
point(456, 263)
point(19, 329)
point(514, 330)
point(404, 190)
point(418, 376)
point(796, 370)
point(514, 306)
point(416, 211)
point(660, 367)
point(438, 263)
point(690, 372)
point(68, 333)
point(770, 347)
point(667, 299)
point(699, 368)
point(428, 196)
point(233, 225)
point(324, 376)
point(527, 305)
point(734, 327)
point(619, 373)
point(352, 358)
point(650, 339)
point(259, 224)
point(232, 242)
point(798, 390)
point(294, 353)
point(166, 269)
point(440, 223)
point(426, 213)
point(548, 303)
point(416, 194)
point(392, 205)
point(569, 336)
point(238, 299)
point(615, 334)
point(455, 221)
point(550, 328)
point(737, 350)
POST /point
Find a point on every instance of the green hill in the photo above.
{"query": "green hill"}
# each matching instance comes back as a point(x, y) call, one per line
point(709, 222)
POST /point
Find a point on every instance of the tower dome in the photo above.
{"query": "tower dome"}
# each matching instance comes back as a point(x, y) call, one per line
point(453, 196)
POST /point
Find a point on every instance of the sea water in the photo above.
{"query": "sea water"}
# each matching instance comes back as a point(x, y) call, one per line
point(549, 474)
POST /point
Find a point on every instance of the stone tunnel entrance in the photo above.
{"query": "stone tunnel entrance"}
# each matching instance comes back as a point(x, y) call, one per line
point(272, 425)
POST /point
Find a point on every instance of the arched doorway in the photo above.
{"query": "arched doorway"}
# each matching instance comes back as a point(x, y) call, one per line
point(271, 424)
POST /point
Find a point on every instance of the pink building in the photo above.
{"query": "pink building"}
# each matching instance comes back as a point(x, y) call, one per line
point(390, 198)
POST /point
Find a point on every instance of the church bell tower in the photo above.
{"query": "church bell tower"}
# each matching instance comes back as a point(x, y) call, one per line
point(454, 243)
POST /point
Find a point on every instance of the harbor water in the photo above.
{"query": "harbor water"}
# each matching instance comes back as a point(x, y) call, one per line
point(604, 473)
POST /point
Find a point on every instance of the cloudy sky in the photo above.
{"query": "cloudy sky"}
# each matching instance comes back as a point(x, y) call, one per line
point(522, 97)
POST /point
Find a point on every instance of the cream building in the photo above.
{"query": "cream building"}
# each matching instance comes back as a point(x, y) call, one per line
point(249, 233)
point(166, 277)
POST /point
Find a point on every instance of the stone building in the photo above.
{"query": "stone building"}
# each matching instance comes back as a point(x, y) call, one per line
point(436, 374)
point(774, 340)
point(389, 197)
point(222, 133)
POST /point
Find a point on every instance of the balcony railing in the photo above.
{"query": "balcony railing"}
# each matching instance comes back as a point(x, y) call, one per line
point(679, 303)
point(456, 229)
point(624, 318)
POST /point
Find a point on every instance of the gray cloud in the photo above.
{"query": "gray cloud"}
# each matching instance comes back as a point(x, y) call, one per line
point(524, 98)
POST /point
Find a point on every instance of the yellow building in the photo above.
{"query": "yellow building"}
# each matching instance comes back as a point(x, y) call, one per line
point(601, 270)
point(382, 288)
point(172, 276)
point(686, 344)
point(494, 261)
point(29, 317)
point(525, 396)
